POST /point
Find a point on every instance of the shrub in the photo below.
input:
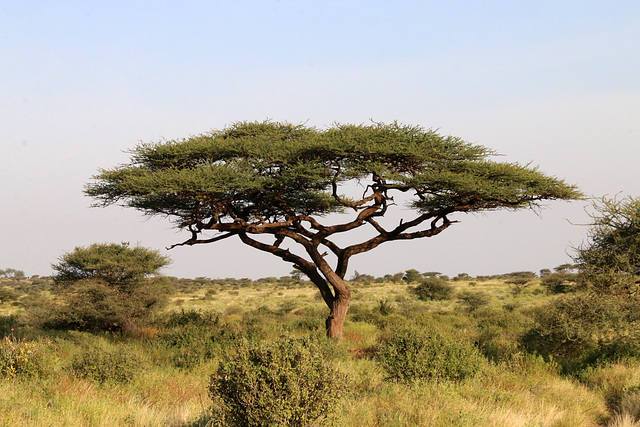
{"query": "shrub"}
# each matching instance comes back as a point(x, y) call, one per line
point(104, 286)
point(584, 330)
point(433, 288)
point(559, 283)
point(18, 358)
point(287, 382)
point(423, 352)
point(103, 366)
point(473, 300)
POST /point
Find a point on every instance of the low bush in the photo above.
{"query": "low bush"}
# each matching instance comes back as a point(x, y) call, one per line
point(103, 366)
point(423, 352)
point(286, 382)
point(473, 300)
point(19, 358)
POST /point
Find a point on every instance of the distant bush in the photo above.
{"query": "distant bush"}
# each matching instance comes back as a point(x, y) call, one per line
point(286, 382)
point(559, 283)
point(473, 300)
point(423, 352)
point(433, 288)
point(104, 366)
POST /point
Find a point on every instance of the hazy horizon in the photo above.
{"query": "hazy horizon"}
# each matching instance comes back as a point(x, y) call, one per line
point(554, 84)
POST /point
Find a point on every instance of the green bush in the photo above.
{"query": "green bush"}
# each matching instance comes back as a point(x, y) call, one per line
point(433, 288)
point(423, 352)
point(19, 358)
point(473, 300)
point(104, 366)
point(559, 283)
point(103, 286)
point(286, 382)
point(584, 330)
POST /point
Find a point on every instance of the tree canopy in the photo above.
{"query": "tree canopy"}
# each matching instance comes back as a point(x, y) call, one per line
point(106, 286)
point(282, 180)
point(610, 261)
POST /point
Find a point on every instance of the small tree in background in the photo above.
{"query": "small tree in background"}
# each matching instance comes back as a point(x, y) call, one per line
point(273, 186)
point(107, 286)
point(412, 275)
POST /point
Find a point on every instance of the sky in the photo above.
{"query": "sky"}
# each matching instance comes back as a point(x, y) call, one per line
point(553, 84)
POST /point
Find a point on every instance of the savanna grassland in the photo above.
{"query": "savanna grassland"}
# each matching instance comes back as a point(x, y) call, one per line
point(160, 374)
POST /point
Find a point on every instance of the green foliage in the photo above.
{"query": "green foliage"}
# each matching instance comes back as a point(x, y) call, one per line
point(195, 336)
point(118, 265)
point(286, 382)
point(585, 329)
point(12, 273)
point(560, 283)
point(8, 294)
point(104, 286)
point(411, 276)
point(424, 352)
point(256, 163)
point(104, 366)
point(610, 261)
point(433, 288)
point(19, 358)
point(473, 300)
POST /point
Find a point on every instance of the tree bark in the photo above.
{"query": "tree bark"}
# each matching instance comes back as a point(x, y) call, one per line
point(337, 315)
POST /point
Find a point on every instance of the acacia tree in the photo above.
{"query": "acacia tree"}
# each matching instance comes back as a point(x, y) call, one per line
point(106, 286)
point(255, 180)
point(610, 261)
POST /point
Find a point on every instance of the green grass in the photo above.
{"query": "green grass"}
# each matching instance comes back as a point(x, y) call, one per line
point(513, 389)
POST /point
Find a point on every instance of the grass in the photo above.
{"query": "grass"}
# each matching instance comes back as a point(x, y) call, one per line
point(514, 389)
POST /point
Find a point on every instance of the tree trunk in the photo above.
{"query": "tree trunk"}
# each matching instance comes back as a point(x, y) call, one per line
point(338, 313)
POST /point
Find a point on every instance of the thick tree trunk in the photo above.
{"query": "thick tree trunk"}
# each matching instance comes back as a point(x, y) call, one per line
point(338, 311)
point(337, 315)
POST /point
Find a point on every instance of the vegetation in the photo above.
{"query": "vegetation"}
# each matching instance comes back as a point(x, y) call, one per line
point(270, 183)
point(467, 367)
point(103, 286)
point(285, 382)
point(610, 261)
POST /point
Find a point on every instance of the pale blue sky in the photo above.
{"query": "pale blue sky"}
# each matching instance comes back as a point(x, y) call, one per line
point(554, 83)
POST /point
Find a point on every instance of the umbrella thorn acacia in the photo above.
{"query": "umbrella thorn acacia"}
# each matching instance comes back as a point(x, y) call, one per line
point(273, 185)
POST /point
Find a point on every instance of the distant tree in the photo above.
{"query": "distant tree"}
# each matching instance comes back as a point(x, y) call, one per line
point(411, 276)
point(462, 276)
point(273, 185)
point(564, 268)
point(545, 272)
point(12, 273)
point(431, 274)
point(108, 286)
point(610, 261)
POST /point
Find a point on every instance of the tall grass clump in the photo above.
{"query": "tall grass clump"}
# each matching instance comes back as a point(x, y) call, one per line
point(284, 382)
point(415, 352)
